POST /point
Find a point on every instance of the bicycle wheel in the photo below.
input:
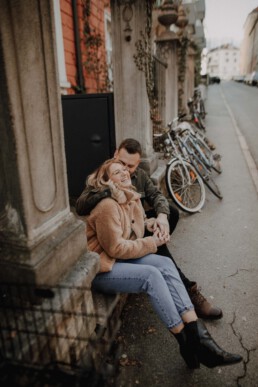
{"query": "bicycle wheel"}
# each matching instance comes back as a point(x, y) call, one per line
point(199, 122)
point(216, 164)
point(202, 109)
point(185, 186)
point(205, 174)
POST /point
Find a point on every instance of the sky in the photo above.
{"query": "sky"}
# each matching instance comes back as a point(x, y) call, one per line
point(224, 21)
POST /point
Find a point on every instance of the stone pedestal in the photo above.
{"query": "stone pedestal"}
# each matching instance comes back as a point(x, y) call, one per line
point(132, 111)
point(40, 238)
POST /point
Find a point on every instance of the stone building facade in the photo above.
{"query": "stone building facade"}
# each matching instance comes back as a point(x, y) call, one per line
point(223, 61)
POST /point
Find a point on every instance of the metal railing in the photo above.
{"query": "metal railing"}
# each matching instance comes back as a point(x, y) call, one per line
point(47, 333)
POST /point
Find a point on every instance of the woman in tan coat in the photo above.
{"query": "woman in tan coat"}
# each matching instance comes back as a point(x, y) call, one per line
point(128, 264)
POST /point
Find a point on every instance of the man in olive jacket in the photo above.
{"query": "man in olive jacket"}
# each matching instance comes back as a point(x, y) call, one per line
point(167, 216)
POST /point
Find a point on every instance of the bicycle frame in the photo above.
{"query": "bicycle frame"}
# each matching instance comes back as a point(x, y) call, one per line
point(192, 140)
point(191, 156)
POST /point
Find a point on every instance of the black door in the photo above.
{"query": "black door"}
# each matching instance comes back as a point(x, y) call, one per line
point(89, 136)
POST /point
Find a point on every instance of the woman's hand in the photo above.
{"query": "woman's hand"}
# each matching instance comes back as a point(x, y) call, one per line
point(160, 238)
point(151, 224)
point(116, 192)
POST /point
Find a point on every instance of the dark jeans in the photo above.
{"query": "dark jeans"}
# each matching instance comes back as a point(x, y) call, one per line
point(163, 250)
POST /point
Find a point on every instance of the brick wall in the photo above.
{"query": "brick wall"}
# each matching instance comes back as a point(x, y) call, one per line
point(93, 83)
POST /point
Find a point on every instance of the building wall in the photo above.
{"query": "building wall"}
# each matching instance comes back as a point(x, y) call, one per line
point(255, 48)
point(98, 11)
point(223, 62)
point(249, 46)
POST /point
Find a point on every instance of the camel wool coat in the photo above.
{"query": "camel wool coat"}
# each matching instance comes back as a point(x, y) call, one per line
point(115, 230)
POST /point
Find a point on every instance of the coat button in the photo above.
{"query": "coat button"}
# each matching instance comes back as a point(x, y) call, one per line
point(132, 221)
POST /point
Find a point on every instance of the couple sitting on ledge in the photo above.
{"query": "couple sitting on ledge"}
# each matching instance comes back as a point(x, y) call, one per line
point(134, 257)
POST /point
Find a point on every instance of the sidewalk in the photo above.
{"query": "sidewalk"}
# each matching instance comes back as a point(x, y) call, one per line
point(217, 248)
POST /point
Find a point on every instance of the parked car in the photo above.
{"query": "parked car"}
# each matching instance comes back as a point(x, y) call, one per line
point(214, 79)
point(254, 79)
point(248, 79)
point(239, 78)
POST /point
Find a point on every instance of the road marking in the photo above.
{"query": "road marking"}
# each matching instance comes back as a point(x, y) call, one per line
point(243, 145)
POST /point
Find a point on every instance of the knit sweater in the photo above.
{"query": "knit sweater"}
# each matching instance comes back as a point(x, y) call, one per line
point(115, 231)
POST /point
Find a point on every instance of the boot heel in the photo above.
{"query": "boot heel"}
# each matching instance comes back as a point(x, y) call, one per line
point(191, 359)
point(188, 354)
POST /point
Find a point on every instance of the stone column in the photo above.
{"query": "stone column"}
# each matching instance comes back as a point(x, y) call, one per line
point(132, 110)
point(167, 52)
point(40, 238)
point(190, 73)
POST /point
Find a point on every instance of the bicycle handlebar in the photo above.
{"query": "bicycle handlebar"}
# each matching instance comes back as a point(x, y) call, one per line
point(178, 118)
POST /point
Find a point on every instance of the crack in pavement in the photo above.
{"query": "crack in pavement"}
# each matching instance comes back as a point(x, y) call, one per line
point(237, 272)
point(248, 351)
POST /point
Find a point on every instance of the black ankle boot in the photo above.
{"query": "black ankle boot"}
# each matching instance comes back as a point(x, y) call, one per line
point(207, 350)
point(186, 350)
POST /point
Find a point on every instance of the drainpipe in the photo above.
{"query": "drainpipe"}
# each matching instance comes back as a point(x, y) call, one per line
point(80, 77)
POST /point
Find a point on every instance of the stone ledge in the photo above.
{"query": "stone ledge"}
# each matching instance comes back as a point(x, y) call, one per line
point(84, 271)
point(158, 175)
point(105, 310)
point(106, 306)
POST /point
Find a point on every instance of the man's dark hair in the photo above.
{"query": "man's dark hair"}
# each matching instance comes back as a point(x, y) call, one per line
point(131, 146)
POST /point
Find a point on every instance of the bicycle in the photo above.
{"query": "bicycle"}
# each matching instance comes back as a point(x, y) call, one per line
point(200, 142)
point(184, 184)
point(197, 109)
point(193, 154)
point(199, 102)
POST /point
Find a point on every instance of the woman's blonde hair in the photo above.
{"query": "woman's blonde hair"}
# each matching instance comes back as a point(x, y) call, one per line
point(100, 177)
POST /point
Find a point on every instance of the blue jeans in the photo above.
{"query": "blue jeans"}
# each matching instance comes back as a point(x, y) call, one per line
point(152, 274)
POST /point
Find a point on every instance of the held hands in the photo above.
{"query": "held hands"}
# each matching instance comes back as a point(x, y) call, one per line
point(159, 238)
point(160, 228)
point(161, 223)
point(151, 224)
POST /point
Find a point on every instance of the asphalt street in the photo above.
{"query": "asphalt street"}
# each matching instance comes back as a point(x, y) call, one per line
point(242, 100)
point(218, 248)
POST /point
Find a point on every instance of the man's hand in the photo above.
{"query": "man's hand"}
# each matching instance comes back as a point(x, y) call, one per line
point(162, 225)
